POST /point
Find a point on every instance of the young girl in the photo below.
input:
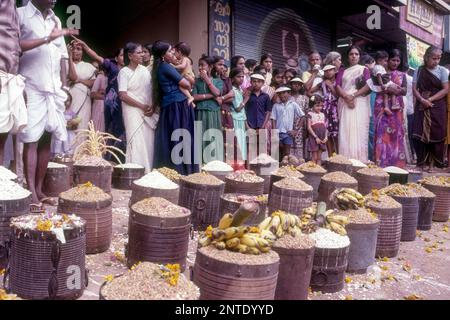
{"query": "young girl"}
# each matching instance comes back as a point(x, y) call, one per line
point(184, 67)
point(331, 107)
point(206, 90)
point(299, 96)
point(238, 111)
point(317, 129)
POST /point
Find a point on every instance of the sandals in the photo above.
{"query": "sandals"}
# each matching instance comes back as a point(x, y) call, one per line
point(50, 201)
point(37, 208)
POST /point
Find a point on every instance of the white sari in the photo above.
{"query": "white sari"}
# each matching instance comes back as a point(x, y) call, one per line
point(81, 95)
point(354, 123)
point(140, 130)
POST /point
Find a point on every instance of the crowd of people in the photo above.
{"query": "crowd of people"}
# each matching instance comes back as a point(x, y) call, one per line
point(371, 108)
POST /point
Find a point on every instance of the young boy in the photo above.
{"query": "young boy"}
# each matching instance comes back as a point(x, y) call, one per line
point(381, 81)
point(283, 116)
point(184, 67)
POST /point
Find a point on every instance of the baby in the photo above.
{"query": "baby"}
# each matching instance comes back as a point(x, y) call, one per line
point(184, 67)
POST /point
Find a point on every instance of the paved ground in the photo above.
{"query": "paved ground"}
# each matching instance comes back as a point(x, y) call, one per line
point(419, 272)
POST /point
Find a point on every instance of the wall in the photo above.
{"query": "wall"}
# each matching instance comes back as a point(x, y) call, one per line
point(193, 26)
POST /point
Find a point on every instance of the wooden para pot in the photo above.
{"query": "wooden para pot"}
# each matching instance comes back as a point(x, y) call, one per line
point(219, 174)
point(327, 187)
point(123, 178)
point(410, 216)
point(157, 239)
point(248, 188)
point(363, 245)
point(442, 202)
point(140, 193)
point(203, 201)
point(366, 183)
point(68, 162)
point(264, 171)
point(228, 206)
point(288, 200)
point(100, 177)
point(57, 180)
point(221, 280)
point(98, 217)
point(10, 209)
point(343, 167)
point(313, 179)
point(41, 267)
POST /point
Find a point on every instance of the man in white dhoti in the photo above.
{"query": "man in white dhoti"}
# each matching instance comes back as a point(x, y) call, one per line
point(44, 49)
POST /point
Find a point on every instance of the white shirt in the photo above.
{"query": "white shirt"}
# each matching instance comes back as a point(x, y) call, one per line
point(41, 66)
point(285, 114)
point(409, 98)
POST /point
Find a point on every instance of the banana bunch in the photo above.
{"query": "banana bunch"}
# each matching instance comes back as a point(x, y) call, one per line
point(347, 199)
point(336, 223)
point(280, 224)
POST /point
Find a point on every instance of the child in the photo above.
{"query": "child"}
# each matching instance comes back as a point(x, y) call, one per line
point(238, 111)
point(283, 116)
point(66, 147)
point(317, 129)
point(381, 80)
point(250, 65)
point(298, 95)
point(184, 66)
point(331, 107)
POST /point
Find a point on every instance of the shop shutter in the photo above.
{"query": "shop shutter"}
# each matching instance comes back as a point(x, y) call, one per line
point(283, 30)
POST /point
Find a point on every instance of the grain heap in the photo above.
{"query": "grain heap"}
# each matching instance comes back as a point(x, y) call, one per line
point(148, 281)
point(340, 160)
point(399, 190)
point(170, 174)
point(436, 181)
point(217, 166)
point(241, 198)
point(47, 222)
point(92, 161)
point(340, 177)
point(290, 161)
point(159, 207)
point(245, 176)
point(156, 180)
point(311, 167)
point(129, 166)
point(357, 163)
point(263, 159)
point(54, 165)
point(360, 216)
point(420, 191)
point(292, 183)
point(6, 174)
point(299, 242)
point(85, 193)
point(242, 259)
point(202, 178)
point(326, 239)
point(10, 190)
point(288, 172)
point(378, 200)
point(374, 171)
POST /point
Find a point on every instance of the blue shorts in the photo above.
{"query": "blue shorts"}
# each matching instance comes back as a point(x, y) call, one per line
point(286, 139)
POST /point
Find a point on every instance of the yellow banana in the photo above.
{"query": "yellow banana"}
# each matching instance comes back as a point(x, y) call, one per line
point(262, 243)
point(233, 243)
point(285, 222)
point(248, 241)
point(231, 233)
point(266, 234)
point(351, 198)
point(353, 193)
point(204, 242)
point(241, 248)
point(342, 220)
point(220, 245)
point(295, 232)
point(265, 224)
point(242, 231)
point(253, 250)
point(226, 221)
point(265, 250)
point(275, 224)
point(280, 231)
point(218, 235)
point(338, 229)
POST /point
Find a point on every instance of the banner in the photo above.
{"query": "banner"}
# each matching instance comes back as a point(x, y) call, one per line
point(220, 29)
point(416, 51)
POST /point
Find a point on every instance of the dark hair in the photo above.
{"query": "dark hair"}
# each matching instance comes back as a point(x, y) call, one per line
point(234, 72)
point(367, 59)
point(354, 47)
point(394, 53)
point(316, 98)
point(234, 61)
point(275, 72)
point(117, 53)
point(314, 52)
point(159, 49)
point(293, 71)
point(259, 68)
point(148, 46)
point(184, 48)
point(130, 47)
point(250, 63)
point(381, 55)
point(214, 60)
point(266, 56)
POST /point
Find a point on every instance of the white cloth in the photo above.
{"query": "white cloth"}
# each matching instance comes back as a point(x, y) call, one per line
point(379, 69)
point(409, 98)
point(67, 147)
point(81, 95)
point(42, 69)
point(285, 114)
point(13, 112)
point(354, 123)
point(140, 130)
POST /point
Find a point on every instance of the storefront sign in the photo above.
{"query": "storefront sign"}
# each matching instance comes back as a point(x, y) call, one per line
point(416, 51)
point(220, 29)
point(421, 14)
point(422, 21)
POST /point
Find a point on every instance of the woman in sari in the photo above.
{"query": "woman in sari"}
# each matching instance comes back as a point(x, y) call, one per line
point(389, 128)
point(82, 77)
point(138, 113)
point(430, 87)
point(354, 108)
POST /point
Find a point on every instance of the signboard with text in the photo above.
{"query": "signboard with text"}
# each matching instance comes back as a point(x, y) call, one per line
point(220, 29)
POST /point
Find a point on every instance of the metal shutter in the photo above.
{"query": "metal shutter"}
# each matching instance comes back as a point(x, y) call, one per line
point(261, 26)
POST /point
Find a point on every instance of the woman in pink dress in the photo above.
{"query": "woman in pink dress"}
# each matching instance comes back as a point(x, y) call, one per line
point(98, 101)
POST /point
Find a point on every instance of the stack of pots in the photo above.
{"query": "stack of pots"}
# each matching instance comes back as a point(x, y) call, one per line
point(296, 263)
point(57, 180)
point(200, 193)
point(10, 209)
point(222, 278)
point(333, 181)
point(264, 170)
point(41, 266)
point(290, 195)
point(389, 213)
point(231, 202)
point(98, 217)
point(124, 176)
point(313, 176)
point(284, 172)
point(158, 232)
point(371, 178)
point(442, 203)
point(100, 176)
